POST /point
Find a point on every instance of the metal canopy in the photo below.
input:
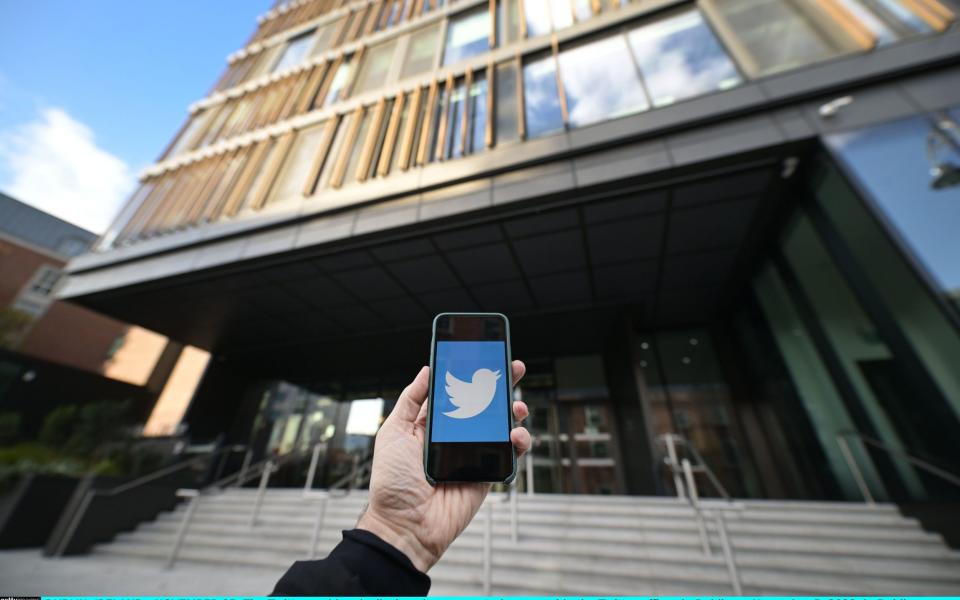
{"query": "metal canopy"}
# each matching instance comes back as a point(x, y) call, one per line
point(665, 254)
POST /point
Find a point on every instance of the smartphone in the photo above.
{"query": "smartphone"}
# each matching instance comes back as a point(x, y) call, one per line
point(469, 414)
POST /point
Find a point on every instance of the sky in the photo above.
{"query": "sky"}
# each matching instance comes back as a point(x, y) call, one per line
point(92, 92)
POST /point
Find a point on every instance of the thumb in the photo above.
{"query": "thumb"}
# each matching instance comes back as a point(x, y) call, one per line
point(412, 398)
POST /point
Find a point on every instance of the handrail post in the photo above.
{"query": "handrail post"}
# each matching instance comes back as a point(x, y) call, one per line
point(312, 471)
point(487, 549)
point(854, 469)
point(194, 496)
point(695, 501)
point(514, 510)
point(728, 553)
point(244, 466)
point(264, 480)
point(674, 464)
point(528, 467)
point(317, 526)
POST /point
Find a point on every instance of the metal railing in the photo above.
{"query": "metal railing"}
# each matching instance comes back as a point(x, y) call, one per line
point(359, 474)
point(135, 486)
point(903, 454)
point(247, 472)
point(683, 472)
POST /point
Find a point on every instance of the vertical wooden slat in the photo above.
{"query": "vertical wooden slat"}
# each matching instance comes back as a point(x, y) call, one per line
point(340, 167)
point(293, 95)
point(735, 46)
point(355, 24)
point(173, 193)
point(385, 15)
point(310, 90)
point(595, 6)
point(492, 6)
point(425, 126)
point(406, 143)
point(212, 179)
point(934, 14)
point(143, 212)
point(465, 119)
point(419, 9)
point(848, 24)
point(376, 11)
point(409, 13)
point(334, 66)
point(521, 107)
point(444, 110)
point(320, 156)
point(522, 15)
point(255, 157)
point(491, 89)
point(366, 153)
point(271, 170)
point(356, 60)
point(390, 139)
point(556, 70)
point(201, 174)
point(222, 191)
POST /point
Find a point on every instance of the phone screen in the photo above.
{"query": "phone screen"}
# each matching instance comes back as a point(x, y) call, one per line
point(470, 391)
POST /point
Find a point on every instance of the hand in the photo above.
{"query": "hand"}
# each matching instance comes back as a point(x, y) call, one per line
point(405, 511)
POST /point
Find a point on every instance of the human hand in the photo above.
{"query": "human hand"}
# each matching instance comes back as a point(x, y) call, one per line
point(405, 511)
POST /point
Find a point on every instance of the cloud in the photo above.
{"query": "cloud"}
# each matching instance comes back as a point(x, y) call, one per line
point(54, 164)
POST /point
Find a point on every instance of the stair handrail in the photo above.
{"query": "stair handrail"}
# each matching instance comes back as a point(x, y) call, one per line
point(701, 465)
point(927, 466)
point(130, 485)
point(361, 469)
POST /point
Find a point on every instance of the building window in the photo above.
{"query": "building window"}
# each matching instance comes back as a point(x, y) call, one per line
point(508, 22)
point(290, 181)
point(680, 57)
point(542, 112)
point(600, 81)
point(468, 34)
point(372, 74)
point(294, 52)
point(340, 80)
point(544, 16)
point(477, 114)
point(44, 280)
point(776, 35)
point(507, 103)
point(421, 51)
point(38, 293)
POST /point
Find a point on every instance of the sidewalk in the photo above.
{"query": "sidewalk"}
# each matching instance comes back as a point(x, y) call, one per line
point(27, 572)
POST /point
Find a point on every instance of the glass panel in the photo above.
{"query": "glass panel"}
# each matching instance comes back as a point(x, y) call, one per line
point(561, 13)
point(266, 61)
point(295, 51)
point(902, 14)
point(452, 143)
point(600, 81)
point(404, 115)
point(335, 149)
point(293, 175)
point(381, 134)
point(376, 65)
point(506, 104)
point(928, 418)
point(884, 34)
point(435, 116)
point(325, 39)
point(541, 99)
point(467, 35)
point(340, 79)
point(777, 36)
point(358, 143)
point(421, 51)
point(680, 57)
point(184, 142)
point(537, 14)
point(508, 22)
point(476, 131)
point(583, 9)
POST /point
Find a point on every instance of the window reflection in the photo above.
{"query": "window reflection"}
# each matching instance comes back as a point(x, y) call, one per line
point(477, 110)
point(537, 15)
point(295, 51)
point(776, 35)
point(339, 81)
point(680, 57)
point(506, 103)
point(468, 35)
point(600, 81)
point(420, 51)
point(541, 99)
point(376, 65)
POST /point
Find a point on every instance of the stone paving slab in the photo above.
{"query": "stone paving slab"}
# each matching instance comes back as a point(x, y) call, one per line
point(27, 572)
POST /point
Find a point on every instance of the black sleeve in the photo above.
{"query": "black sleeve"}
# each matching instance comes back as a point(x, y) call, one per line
point(361, 565)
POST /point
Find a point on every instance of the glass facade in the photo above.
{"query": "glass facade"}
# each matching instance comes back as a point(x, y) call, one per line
point(599, 80)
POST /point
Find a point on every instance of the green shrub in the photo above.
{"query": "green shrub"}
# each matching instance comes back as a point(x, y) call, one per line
point(9, 428)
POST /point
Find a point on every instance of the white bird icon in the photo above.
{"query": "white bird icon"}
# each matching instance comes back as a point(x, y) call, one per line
point(471, 398)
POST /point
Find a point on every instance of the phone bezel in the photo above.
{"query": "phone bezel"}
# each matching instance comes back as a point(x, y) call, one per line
point(430, 394)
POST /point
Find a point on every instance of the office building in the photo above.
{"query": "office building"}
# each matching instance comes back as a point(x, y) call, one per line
point(733, 220)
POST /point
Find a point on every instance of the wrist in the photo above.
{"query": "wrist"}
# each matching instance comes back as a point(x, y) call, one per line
point(401, 538)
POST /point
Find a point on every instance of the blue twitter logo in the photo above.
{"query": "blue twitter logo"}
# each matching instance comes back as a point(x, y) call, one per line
point(470, 393)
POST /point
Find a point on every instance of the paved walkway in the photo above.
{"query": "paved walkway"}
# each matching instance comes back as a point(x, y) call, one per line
point(27, 572)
